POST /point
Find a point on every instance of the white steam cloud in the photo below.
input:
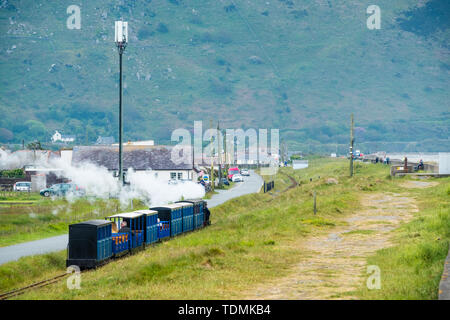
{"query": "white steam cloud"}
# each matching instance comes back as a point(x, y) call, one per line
point(98, 182)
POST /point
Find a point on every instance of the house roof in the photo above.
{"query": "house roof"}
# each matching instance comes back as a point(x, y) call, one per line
point(136, 157)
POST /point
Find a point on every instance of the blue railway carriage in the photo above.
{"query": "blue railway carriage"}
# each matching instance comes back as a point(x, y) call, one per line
point(199, 217)
point(90, 243)
point(188, 215)
point(150, 226)
point(135, 232)
point(172, 215)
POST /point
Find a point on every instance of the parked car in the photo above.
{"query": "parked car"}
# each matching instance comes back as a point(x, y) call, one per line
point(61, 189)
point(237, 177)
point(225, 181)
point(22, 186)
point(245, 172)
point(231, 172)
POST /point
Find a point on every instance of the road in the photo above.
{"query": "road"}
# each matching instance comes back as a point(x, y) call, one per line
point(251, 184)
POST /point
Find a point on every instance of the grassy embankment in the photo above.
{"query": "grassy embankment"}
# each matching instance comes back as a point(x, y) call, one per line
point(252, 239)
point(412, 269)
point(28, 216)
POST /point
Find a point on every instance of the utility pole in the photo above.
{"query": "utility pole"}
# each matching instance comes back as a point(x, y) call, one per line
point(352, 140)
point(121, 39)
point(257, 154)
point(211, 178)
point(219, 146)
point(225, 151)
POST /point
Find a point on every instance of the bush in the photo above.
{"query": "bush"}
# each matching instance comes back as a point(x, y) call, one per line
point(16, 173)
point(145, 33)
point(162, 28)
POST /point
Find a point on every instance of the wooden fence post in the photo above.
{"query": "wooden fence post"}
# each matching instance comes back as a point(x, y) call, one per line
point(315, 203)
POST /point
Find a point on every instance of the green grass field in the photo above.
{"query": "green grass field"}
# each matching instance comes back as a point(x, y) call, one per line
point(253, 240)
point(26, 217)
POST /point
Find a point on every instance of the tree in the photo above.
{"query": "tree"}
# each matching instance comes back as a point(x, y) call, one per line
point(36, 129)
point(36, 145)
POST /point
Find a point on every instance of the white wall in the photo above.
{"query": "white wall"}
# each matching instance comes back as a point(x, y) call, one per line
point(444, 162)
point(66, 156)
point(299, 164)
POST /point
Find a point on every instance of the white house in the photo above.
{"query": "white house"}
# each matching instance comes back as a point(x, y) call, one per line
point(57, 136)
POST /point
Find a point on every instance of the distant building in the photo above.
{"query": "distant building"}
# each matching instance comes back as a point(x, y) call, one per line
point(299, 164)
point(104, 141)
point(58, 137)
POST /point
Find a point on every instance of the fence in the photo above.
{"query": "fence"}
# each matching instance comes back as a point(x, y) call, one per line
point(268, 186)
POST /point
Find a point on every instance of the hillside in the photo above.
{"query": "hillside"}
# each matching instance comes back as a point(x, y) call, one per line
point(301, 66)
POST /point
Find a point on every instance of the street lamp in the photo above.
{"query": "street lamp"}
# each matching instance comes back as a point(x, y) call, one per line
point(121, 40)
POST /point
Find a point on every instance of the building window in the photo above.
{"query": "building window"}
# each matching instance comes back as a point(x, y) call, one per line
point(180, 175)
point(173, 175)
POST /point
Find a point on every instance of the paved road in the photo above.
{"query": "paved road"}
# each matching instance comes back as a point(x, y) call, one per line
point(17, 251)
point(251, 184)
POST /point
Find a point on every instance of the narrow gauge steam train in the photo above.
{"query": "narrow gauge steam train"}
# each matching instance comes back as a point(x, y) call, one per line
point(95, 242)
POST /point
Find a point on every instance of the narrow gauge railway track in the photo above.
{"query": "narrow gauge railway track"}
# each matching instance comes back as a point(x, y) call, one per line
point(40, 284)
point(44, 283)
point(294, 182)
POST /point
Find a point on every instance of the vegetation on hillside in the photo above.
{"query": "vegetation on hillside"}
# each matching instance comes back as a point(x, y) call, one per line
point(301, 66)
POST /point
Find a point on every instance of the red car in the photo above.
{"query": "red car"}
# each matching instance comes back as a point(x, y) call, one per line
point(232, 171)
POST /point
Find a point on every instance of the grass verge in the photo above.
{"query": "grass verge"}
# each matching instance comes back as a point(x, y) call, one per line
point(412, 268)
point(44, 217)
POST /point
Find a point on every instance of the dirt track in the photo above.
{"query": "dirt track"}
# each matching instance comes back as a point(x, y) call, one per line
point(334, 263)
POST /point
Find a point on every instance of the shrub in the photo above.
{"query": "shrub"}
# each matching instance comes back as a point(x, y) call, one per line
point(16, 173)
point(145, 33)
point(162, 28)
